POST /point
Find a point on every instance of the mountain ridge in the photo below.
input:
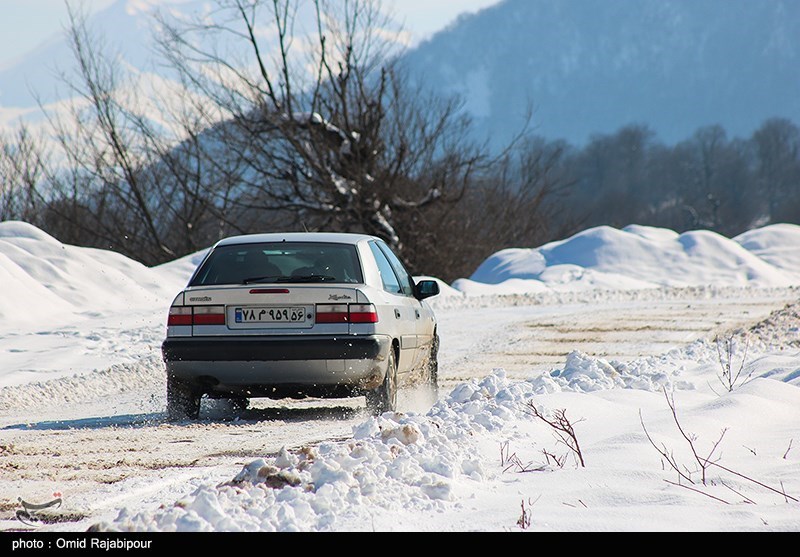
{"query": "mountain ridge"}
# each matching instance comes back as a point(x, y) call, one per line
point(594, 66)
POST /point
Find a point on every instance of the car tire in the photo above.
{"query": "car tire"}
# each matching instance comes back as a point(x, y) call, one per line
point(384, 398)
point(183, 400)
point(433, 370)
point(239, 404)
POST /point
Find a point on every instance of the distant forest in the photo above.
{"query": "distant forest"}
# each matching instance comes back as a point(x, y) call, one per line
point(547, 190)
point(541, 191)
point(709, 181)
point(357, 149)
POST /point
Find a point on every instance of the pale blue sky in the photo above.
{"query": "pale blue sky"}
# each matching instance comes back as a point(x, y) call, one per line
point(24, 24)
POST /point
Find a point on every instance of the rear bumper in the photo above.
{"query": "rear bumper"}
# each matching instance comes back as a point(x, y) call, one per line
point(279, 367)
point(278, 349)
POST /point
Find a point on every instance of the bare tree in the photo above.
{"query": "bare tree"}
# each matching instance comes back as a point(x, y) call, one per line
point(124, 181)
point(21, 169)
point(777, 146)
point(517, 202)
point(284, 127)
point(330, 135)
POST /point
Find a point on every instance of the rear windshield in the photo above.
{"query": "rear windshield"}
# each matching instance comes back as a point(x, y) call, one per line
point(280, 262)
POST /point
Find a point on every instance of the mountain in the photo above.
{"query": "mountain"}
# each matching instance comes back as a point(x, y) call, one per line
point(123, 27)
point(593, 66)
point(584, 66)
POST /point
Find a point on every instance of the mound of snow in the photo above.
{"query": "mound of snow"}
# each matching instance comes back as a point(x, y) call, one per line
point(445, 290)
point(397, 462)
point(778, 245)
point(182, 269)
point(43, 278)
point(643, 257)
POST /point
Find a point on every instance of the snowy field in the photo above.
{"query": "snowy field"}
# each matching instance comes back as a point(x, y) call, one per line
point(614, 327)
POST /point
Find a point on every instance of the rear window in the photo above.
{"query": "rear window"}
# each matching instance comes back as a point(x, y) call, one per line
point(280, 262)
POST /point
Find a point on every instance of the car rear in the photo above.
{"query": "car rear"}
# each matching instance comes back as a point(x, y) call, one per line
point(276, 319)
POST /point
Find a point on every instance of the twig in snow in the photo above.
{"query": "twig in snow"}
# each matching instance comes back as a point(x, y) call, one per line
point(743, 496)
point(509, 461)
point(665, 453)
point(748, 478)
point(731, 376)
point(789, 449)
point(562, 427)
point(504, 448)
point(704, 463)
point(524, 520)
point(690, 488)
point(550, 456)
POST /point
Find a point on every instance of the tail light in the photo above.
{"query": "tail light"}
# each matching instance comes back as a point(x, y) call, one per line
point(196, 315)
point(209, 315)
point(343, 313)
point(179, 316)
point(332, 313)
point(363, 313)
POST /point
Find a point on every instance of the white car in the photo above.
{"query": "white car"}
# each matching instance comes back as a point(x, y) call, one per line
point(299, 315)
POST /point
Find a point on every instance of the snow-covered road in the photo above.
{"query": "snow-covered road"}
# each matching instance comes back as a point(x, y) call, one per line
point(101, 440)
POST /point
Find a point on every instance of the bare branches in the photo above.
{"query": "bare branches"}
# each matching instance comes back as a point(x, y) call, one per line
point(512, 461)
point(703, 463)
point(263, 135)
point(696, 490)
point(758, 483)
point(730, 375)
point(562, 428)
point(22, 166)
point(524, 520)
point(666, 454)
point(314, 136)
point(552, 458)
point(745, 498)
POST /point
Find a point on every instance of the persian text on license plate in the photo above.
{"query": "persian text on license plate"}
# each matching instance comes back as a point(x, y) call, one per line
point(270, 315)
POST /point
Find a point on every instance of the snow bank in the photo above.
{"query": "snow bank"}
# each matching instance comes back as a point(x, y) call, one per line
point(397, 462)
point(44, 279)
point(445, 463)
point(778, 245)
point(445, 290)
point(643, 257)
point(182, 269)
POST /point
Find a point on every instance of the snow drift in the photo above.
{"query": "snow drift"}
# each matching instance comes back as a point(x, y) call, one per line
point(644, 257)
point(44, 279)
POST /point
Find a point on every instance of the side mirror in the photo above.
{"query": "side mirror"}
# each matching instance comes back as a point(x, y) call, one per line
point(426, 289)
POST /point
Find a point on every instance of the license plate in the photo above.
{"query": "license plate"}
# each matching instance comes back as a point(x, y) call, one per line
point(270, 315)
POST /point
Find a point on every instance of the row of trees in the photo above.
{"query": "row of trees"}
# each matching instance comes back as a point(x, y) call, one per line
point(709, 181)
point(265, 134)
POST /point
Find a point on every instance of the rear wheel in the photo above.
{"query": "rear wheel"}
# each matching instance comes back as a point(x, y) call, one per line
point(183, 400)
point(433, 369)
point(239, 404)
point(384, 398)
point(226, 407)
